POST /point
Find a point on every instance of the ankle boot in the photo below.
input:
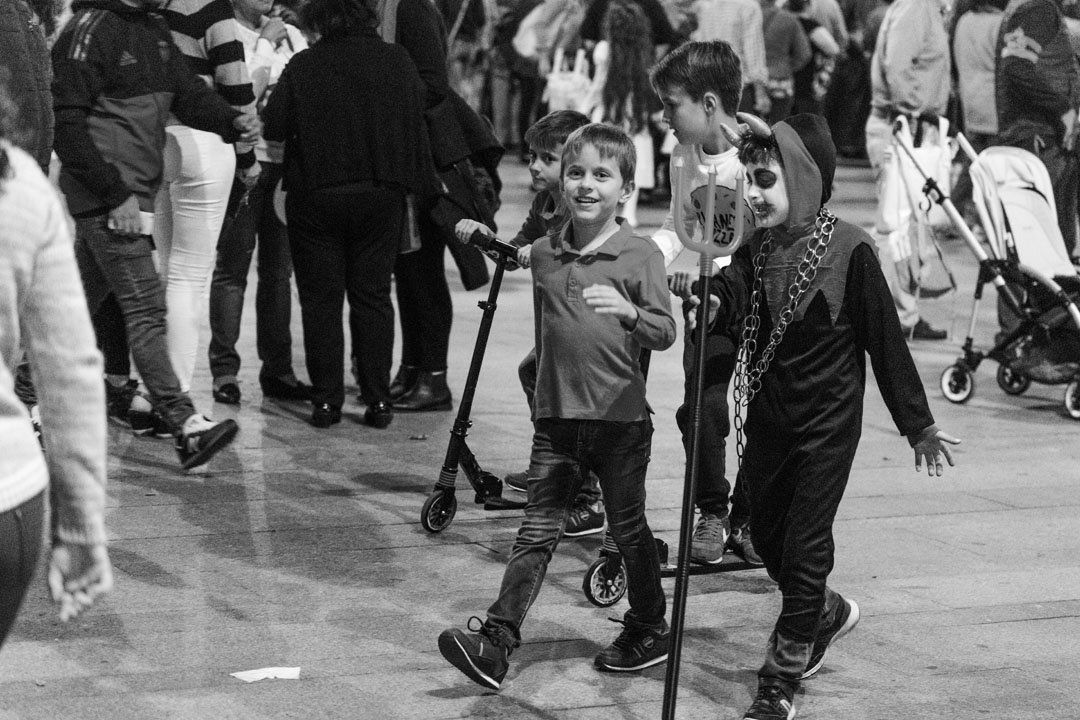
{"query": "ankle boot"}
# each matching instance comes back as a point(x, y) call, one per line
point(430, 392)
point(403, 381)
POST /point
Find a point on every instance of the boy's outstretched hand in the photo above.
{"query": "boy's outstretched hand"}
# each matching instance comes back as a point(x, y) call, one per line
point(929, 445)
point(606, 300)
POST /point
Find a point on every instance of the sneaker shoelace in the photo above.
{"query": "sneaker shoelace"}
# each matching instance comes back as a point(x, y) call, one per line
point(770, 694)
point(710, 527)
point(499, 635)
point(628, 638)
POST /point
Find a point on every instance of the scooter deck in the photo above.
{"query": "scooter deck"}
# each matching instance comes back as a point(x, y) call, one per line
point(730, 563)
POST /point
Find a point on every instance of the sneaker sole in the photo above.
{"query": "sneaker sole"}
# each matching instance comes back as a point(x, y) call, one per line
point(455, 654)
point(583, 533)
point(848, 626)
point(790, 715)
point(642, 666)
point(203, 456)
point(706, 561)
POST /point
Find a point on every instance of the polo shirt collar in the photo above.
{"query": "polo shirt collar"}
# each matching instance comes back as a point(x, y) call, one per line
point(611, 247)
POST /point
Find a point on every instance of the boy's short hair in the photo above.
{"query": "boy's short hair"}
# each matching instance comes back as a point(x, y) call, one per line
point(755, 150)
point(551, 131)
point(701, 67)
point(610, 143)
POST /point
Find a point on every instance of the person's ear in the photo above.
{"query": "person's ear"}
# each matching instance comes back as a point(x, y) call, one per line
point(710, 102)
point(627, 191)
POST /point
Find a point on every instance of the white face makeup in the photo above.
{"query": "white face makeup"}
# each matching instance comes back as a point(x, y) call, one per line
point(767, 193)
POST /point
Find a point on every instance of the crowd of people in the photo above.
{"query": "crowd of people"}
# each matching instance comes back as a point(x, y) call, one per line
point(353, 143)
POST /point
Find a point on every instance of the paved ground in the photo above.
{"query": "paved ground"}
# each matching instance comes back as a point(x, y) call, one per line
point(302, 548)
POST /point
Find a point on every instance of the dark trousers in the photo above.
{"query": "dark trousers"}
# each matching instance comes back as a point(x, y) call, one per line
point(344, 242)
point(794, 493)
point(122, 268)
point(424, 301)
point(254, 222)
point(713, 489)
point(20, 543)
point(112, 338)
point(563, 451)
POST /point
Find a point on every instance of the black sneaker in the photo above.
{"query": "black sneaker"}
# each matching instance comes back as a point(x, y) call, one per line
point(518, 481)
point(710, 538)
point(847, 618)
point(739, 542)
point(771, 703)
point(144, 419)
point(636, 648)
point(482, 654)
point(924, 331)
point(227, 394)
point(118, 401)
point(196, 446)
point(585, 519)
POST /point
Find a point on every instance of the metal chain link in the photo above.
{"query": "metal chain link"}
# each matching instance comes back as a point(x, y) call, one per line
point(747, 375)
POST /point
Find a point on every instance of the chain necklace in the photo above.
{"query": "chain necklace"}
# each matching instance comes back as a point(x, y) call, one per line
point(747, 374)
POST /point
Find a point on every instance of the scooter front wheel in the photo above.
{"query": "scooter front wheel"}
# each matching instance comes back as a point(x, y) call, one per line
point(438, 511)
point(605, 582)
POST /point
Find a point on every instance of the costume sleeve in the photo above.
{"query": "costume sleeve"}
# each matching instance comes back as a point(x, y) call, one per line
point(81, 57)
point(878, 332)
point(196, 105)
point(1029, 34)
point(655, 328)
point(732, 286)
point(67, 371)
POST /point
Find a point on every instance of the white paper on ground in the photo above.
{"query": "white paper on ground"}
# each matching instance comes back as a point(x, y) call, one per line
point(281, 673)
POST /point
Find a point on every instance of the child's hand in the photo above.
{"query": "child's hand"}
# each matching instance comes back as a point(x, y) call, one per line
point(606, 300)
point(681, 284)
point(929, 445)
point(524, 256)
point(466, 227)
point(691, 317)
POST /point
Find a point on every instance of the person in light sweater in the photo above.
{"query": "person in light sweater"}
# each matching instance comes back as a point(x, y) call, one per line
point(42, 308)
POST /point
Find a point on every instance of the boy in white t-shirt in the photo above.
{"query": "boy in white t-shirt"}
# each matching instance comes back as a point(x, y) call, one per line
point(700, 84)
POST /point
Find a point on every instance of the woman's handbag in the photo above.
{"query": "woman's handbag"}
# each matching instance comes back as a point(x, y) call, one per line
point(569, 88)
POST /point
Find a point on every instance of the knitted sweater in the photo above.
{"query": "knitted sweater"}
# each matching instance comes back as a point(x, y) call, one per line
point(42, 308)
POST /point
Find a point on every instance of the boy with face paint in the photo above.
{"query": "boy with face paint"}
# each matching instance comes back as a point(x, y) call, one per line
point(809, 292)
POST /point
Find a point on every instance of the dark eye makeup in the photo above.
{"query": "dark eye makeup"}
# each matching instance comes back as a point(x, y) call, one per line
point(764, 179)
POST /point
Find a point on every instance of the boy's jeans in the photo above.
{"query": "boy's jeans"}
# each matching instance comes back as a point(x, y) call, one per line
point(563, 450)
point(122, 266)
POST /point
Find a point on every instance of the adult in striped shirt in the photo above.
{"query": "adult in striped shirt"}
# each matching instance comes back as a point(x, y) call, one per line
point(199, 173)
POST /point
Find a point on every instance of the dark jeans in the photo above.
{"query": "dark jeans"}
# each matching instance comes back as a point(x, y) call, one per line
point(122, 267)
point(20, 543)
point(713, 489)
point(563, 450)
point(344, 241)
point(255, 222)
point(112, 338)
point(423, 301)
point(589, 494)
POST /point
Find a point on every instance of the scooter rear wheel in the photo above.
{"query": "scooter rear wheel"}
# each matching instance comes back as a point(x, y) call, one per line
point(438, 511)
point(602, 587)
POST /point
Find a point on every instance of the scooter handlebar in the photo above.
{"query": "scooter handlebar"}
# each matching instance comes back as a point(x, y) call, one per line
point(491, 243)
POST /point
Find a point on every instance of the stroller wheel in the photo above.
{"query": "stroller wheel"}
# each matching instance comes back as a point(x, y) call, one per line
point(1013, 382)
point(439, 510)
point(605, 582)
point(957, 383)
point(1072, 399)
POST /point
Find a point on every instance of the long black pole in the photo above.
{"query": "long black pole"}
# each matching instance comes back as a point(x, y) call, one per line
point(686, 526)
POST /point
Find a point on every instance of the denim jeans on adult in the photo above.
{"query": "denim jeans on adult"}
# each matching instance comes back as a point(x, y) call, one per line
point(563, 450)
point(255, 222)
point(123, 267)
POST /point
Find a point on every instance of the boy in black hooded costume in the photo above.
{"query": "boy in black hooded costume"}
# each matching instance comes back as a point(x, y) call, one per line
point(812, 302)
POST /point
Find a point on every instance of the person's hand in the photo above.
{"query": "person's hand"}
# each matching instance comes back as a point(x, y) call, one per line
point(929, 445)
point(606, 300)
point(681, 284)
point(467, 226)
point(78, 575)
point(250, 127)
point(249, 175)
point(524, 256)
point(124, 218)
point(691, 316)
point(274, 31)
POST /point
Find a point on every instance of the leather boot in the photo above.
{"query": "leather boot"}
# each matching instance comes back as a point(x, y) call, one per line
point(430, 392)
point(403, 381)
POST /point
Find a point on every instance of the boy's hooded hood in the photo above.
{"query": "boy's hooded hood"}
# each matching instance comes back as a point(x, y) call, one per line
point(808, 155)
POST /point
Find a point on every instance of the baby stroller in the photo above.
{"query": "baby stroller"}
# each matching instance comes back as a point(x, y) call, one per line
point(1025, 259)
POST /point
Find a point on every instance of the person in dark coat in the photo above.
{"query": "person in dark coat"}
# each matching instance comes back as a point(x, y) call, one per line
point(803, 409)
point(350, 112)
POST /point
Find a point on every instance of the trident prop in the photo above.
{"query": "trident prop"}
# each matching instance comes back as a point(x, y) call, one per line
point(715, 242)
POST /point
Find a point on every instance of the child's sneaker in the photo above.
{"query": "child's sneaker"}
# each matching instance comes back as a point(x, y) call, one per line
point(636, 648)
point(846, 619)
point(201, 439)
point(585, 519)
point(145, 420)
point(518, 481)
point(771, 703)
point(118, 400)
point(710, 538)
point(482, 654)
point(739, 542)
